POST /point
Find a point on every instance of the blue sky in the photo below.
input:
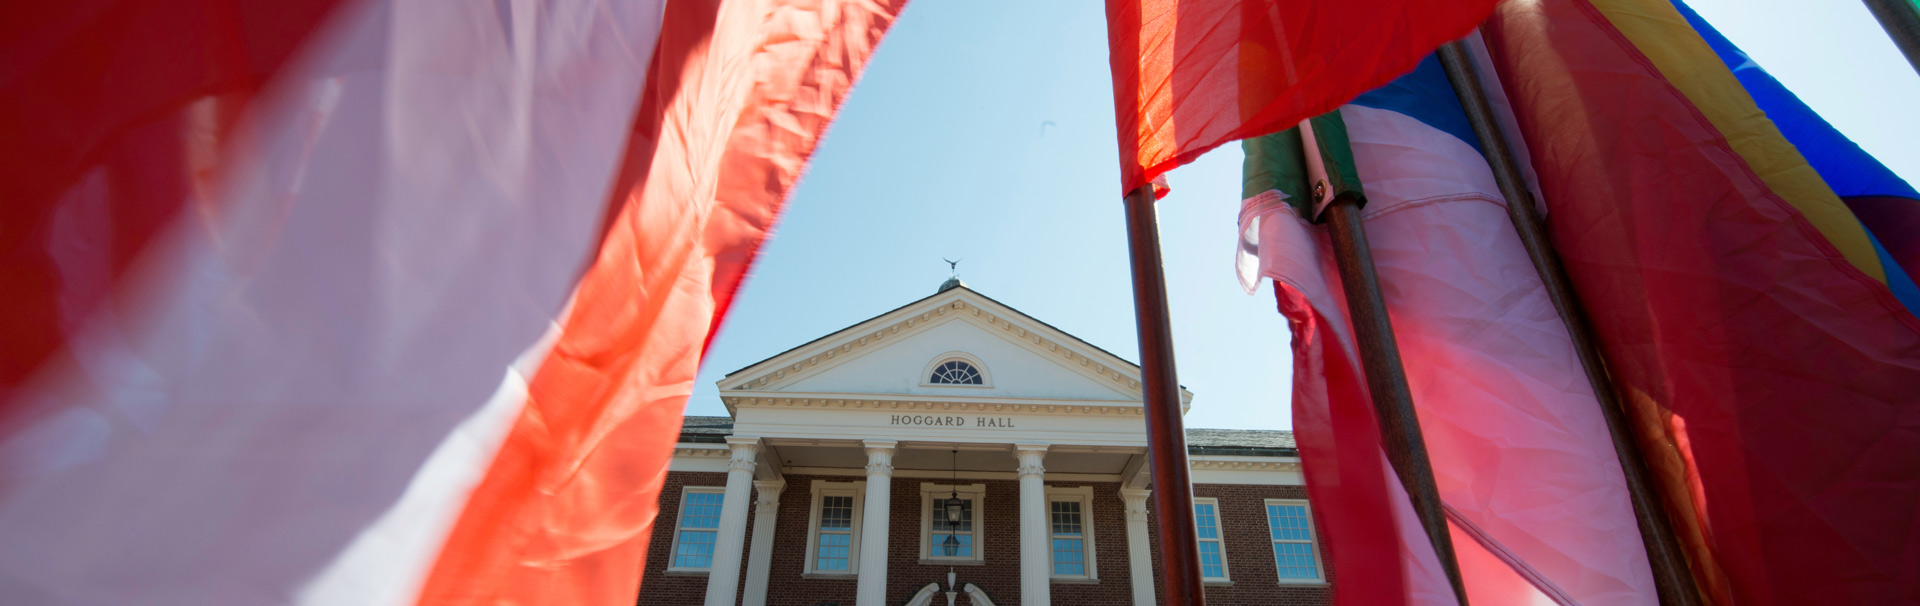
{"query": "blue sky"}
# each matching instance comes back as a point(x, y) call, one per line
point(983, 130)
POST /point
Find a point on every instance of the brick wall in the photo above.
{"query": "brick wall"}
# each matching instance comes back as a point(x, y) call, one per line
point(657, 586)
point(1243, 516)
point(1243, 519)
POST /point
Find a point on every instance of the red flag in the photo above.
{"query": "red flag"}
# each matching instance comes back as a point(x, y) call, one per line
point(739, 94)
point(1190, 75)
point(286, 287)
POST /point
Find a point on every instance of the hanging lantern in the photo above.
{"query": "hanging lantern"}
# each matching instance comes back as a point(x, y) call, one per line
point(954, 509)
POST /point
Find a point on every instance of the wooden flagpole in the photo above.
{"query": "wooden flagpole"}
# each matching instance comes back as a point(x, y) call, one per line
point(1387, 381)
point(1901, 19)
point(1672, 578)
point(1160, 386)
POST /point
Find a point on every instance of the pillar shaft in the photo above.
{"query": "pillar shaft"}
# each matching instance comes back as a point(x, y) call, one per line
point(723, 578)
point(1139, 553)
point(1036, 565)
point(766, 513)
point(872, 588)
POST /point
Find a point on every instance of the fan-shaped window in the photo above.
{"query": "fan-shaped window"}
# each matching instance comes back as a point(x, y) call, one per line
point(955, 372)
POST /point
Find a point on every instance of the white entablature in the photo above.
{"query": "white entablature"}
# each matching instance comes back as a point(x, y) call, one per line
point(956, 361)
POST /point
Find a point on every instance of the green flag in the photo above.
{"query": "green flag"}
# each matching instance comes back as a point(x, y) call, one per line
point(1303, 176)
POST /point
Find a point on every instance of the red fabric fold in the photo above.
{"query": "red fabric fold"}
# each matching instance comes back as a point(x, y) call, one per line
point(1190, 75)
point(739, 94)
point(1774, 385)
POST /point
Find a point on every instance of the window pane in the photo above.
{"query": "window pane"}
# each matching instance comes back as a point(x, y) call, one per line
point(1066, 518)
point(1069, 557)
point(939, 542)
point(1212, 565)
point(833, 552)
point(1203, 517)
point(695, 549)
point(836, 513)
point(955, 372)
point(1288, 523)
point(702, 510)
point(1295, 561)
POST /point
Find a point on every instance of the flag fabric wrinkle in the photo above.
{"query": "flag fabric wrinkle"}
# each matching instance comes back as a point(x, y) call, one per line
point(757, 85)
point(298, 283)
point(1769, 373)
point(1191, 75)
point(1513, 429)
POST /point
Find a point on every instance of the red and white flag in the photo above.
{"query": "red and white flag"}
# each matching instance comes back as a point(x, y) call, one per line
point(376, 301)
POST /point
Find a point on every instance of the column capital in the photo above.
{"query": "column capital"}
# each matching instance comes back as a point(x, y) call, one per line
point(1030, 456)
point(880, 457)
point(745, 450)
point(769, 491)
point(1136, 499)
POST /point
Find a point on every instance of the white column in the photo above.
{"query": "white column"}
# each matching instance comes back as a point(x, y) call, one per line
point(1036, 563)
point(1139, 554)
point(760, 550)
point(723, 579)
point(872, 589)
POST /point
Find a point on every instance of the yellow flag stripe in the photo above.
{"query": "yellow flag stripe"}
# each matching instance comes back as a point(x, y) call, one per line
point(1658, 30)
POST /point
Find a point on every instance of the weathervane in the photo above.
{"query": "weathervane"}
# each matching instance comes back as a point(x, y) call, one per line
point(953, 267)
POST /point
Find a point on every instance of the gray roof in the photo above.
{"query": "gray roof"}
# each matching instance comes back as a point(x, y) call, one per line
point(705, 429)
point(1254, 442)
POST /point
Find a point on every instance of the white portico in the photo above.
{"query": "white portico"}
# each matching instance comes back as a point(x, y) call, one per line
point(1046, 404)
point(861, 438)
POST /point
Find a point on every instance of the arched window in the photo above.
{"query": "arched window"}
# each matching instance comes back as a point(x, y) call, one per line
point(955, 372)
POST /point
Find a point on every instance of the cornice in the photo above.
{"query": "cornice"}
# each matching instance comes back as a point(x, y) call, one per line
point(795, 365)
point(702, 452)
point(917, 403)
point(1214, 465)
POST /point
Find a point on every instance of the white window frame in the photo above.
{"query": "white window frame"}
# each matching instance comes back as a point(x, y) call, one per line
point(932, 503)
point(679, 520)
point(1084, 496)
point(1219, 523)
point(1313, 539)
point(821, 490)
point(926, 374)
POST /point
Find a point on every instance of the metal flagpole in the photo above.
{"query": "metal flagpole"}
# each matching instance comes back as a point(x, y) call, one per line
point(1672, 579)
point(1166, 431)
point(1901, 19)
point(1387, 381)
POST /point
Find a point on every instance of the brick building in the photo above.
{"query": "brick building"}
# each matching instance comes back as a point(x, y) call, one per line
point(957, 445)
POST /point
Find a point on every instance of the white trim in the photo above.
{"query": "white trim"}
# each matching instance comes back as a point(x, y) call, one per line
point(986, 378)
point(926, 474)
point(931, 493)
point(679, 521)
point(1219, 527)
point(959, 304)
point(821, 489)
point(1313, 539)
point(1084, 496)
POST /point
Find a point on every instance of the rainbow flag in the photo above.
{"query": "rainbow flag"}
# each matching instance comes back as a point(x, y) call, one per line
point(1747, 271)
point(1884, 203)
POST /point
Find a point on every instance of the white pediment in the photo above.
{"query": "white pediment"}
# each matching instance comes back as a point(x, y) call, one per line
point(892, 355)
